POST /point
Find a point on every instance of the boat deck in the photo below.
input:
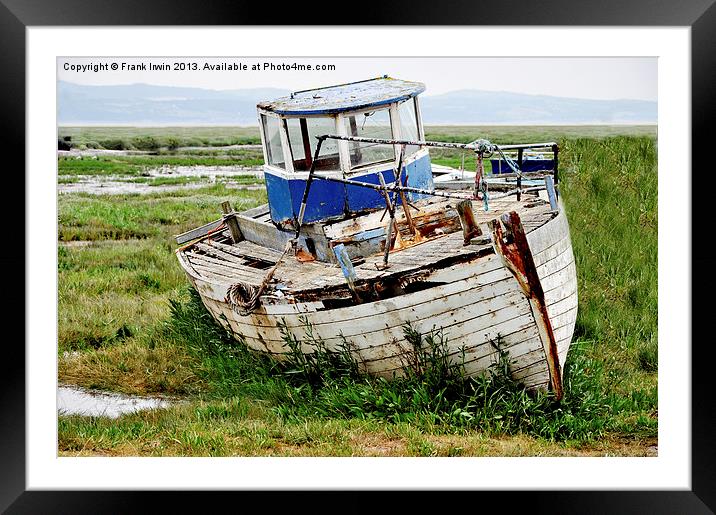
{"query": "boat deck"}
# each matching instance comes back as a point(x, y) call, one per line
point(215, 259)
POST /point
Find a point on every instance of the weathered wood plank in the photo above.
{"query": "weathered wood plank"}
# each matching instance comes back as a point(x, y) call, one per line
point(526, 353)
point(212, 275)
point(492, 282)
point(556, 264)
point(562, 305)
point(267, 235)
point(565, 317)
point(372, 337)
point(552, 251)
point(198, 232)
point(247, 249)
point(231, 222)
point(237, 271)
point(212, 289)
point(548, 234)
point(214, 250)
point(559, 277)
point(256, 212)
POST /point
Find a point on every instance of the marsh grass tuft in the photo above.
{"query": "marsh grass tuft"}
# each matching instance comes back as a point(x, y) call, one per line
point(432, 392)
point(320, 365)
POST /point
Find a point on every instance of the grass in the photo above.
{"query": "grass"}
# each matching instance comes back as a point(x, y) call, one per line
point(119, 138)
point(118, 285)
point(240, 427)
point(135, 165)
point(122, 137)
point(505, 134)
point(529, 134)
point(128, 323)
point(611, 192)
point(434, 395)
point(161, 214)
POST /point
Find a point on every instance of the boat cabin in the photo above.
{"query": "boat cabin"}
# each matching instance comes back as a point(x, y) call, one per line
point(384, 108)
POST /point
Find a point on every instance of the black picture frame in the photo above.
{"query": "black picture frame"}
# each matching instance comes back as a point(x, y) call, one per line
point(699, 15)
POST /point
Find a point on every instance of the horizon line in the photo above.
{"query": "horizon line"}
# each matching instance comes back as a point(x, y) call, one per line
point(424, 94)
point(484, 124)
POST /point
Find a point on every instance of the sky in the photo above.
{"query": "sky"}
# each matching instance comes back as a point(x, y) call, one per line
point(603, 78)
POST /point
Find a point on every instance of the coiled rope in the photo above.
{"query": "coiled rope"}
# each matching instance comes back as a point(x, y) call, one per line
point(244, 298)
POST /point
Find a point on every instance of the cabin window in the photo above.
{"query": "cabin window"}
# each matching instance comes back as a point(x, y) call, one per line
point(302, 134)
point(372, 124)
point(409, 124)
point(272, 137)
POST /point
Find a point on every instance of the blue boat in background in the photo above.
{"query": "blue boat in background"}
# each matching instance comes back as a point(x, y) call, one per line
point(527, 163)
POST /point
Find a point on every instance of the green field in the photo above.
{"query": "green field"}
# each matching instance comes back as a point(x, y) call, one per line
point(129, 323)
point(150, 138)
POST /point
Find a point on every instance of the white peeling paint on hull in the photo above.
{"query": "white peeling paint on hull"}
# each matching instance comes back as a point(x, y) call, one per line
point(478, 301)
point(552, 252)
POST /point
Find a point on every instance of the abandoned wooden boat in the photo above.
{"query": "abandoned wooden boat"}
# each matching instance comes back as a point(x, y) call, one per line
point(356, 249)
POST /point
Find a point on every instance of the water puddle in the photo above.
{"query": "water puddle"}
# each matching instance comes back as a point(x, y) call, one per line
point(149, 182)
point(98, 186)
point(92, 152)
point(75, 243)
point(72, 400)
point(209, 172)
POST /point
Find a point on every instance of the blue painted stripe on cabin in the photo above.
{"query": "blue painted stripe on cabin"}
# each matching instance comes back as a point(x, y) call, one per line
point(420, 175)
point(279, 197)
point(331, 199)
point(360, 199)
point(325, 199)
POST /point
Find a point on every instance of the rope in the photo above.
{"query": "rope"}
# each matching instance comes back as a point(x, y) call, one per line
point(244, 298)
point(485, 147)
point(485, 197)
point(510, 162)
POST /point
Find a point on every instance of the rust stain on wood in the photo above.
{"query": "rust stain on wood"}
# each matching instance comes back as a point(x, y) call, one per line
point(511, 244)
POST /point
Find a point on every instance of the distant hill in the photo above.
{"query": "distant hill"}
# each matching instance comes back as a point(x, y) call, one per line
point(144, 104)
point(484, 107)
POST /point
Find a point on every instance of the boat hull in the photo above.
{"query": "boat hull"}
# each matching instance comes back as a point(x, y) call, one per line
point(474, 304)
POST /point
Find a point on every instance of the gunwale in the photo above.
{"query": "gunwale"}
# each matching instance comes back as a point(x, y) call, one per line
point(215, 259)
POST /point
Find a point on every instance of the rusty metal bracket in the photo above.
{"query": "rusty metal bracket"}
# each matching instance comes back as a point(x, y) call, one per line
point(511, 245)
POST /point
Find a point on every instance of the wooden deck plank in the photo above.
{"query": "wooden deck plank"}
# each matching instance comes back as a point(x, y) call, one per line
point(239, 272)
point(303, 278)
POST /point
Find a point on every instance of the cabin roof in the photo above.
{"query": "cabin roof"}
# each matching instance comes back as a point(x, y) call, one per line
point(344, 97)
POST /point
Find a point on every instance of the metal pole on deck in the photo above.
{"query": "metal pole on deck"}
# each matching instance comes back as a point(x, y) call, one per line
point(555, 151)
point(401, 193)
point(302, 210)
point(519, 177)
point(391, 212)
